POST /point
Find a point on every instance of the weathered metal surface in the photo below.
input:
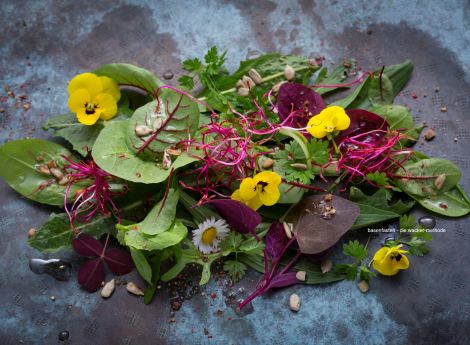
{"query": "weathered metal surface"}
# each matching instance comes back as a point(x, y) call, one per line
point(428, 303)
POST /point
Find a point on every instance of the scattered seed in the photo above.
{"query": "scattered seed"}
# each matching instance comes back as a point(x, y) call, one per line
point(437, 89)
point(255, 76)
point(31, 233)
point(425, 95)
point(53, 298)
point(172, 320)
point(332, 211)
point(363, 286)
point(444, 109)
point(326, 265)
point(289, 73)
point(108, 289)
point(281, 59)
point(287, 230)
point(243, 92)
point(294, 302)
point(132, 288)
point(142, 131)
point(301, 275)
point(440, 180)
point(429, 134)
point(267, 163)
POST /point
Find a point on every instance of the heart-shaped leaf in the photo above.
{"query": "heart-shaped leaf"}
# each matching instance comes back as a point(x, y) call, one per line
point(91, 274)
point(238, 215)
point(179, 116)
point(118, 262)
point(275, 238)
point(363, 121)
point(85, 245)
point(318, 229)
point(297, 97)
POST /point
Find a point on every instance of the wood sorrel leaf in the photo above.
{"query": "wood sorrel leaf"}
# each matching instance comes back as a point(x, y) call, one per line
point(87, 246)
point(363, 121)
point(179, 116)
point(317, 229)
point(238, 215)
point(275, 239)
point(80, 135)
point(130, 75)
point(380, 90)
point(293, 97)
point(91, 274)
point(113, 156)
point(118, 261)
point(424, 169)
point(20, 170)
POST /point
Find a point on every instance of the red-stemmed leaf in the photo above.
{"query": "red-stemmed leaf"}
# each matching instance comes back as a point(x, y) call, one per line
point(91, 274)
point(297, 97)
point(285, 279)
point(118, 262)
point(239, 216)
point(318, 230)
point(275, 238)
point(363, 121)
point(85, 245)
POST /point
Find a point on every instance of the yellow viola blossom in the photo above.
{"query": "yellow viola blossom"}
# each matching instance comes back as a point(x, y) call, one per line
point(260, 190)
point(93, 98)
point(389, 261)
point(329, 120)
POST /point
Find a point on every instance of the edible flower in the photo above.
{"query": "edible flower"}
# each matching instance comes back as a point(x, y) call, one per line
point(260, 190)
point(329, 120)
point(209, 234)
point(389, 261)
point(93, 98)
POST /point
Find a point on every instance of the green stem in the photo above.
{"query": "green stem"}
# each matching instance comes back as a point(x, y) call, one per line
point(302, 142)
point(368, 241)
point(334, 144)
point(271, 77)
point(126, 227)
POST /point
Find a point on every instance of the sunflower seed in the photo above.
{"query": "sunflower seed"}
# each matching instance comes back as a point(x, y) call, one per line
point(299, 166)
point(142, 131)
point(276, 87)
point(157, 124)
point(287, 230)
point(240, 84)
point(294, 302)
point(250, 84)
point(108, 289)
point(57, 173)
point(132, 288)
point(326, 265)
point(440, 180)
point(363, 286)
point(255, 76)
point(301, 275)
point(243, 92)
point(267, 163)
point(289, 73)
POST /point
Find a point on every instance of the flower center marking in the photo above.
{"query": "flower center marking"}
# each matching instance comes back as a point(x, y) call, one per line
point(90, 108)
point(260, 186)
point(209, 235)
point(397, 257)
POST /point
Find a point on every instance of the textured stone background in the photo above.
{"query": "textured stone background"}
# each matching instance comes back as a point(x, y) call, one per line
point(426, 304)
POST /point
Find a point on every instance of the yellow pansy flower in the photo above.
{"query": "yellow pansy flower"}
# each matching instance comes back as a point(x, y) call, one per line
point(389, 261)
point(329, 120)
point(93, 98)
point(260, 190)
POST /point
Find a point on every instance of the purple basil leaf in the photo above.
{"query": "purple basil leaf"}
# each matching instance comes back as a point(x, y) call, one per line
point(285, 279)
point(318, 233)
point(238, 215)
point(363, 121)
point(118, 262)
point(292, 97)
point(85, 245)
point(91, 274)
point(275, 238)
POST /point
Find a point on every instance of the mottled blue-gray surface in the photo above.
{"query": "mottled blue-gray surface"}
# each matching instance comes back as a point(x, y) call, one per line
point(427, 304)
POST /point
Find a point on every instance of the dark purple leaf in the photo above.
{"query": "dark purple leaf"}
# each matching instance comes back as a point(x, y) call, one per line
point(285, 279)
point(292, 97)
point(118, 261)
point(319, 256)
point(238, 215)
point(363, 121)
point(85, 245)
point(91, 274)
point(318, 233)
point(275, 238)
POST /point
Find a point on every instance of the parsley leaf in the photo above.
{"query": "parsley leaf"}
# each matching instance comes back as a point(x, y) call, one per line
point(364, 275)
point(355, 249)
point(407, 223)
point(379, 179)
point(236, 270)
point(252, 246)
point(230, 243)
point(193, 66)
point(211, 56)
point(352, 273)
point(418, 247)
point(422, 233)
point(187, 81)
point(304, 176)
point(290, 154)
point(319, 151)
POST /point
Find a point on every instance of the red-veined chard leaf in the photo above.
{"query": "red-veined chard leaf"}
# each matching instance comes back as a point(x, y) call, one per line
point(238, 215)
point(179, 115)
point(317, 232)
point(275, 238)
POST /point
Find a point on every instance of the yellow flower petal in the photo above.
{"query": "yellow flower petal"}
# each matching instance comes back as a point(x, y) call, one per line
point(316, 127)
point(236, 196)
point(271, 178)
point(110, 86)
point(254, 203)
point(79, 99)
point(269, 196)
point(385, 260)
point(107, 104)
point(87, 81)
point(248, 189)
point(88, 119)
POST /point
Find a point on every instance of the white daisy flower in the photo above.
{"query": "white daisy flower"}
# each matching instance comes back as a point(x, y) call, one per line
point(209, 234)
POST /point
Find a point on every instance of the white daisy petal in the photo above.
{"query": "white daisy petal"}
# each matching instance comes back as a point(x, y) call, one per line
point(221, 228)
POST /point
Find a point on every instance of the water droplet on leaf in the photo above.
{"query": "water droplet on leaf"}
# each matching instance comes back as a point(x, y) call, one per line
point(427, 222)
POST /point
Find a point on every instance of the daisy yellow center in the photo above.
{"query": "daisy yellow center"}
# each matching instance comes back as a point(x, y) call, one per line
point(209, 235)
